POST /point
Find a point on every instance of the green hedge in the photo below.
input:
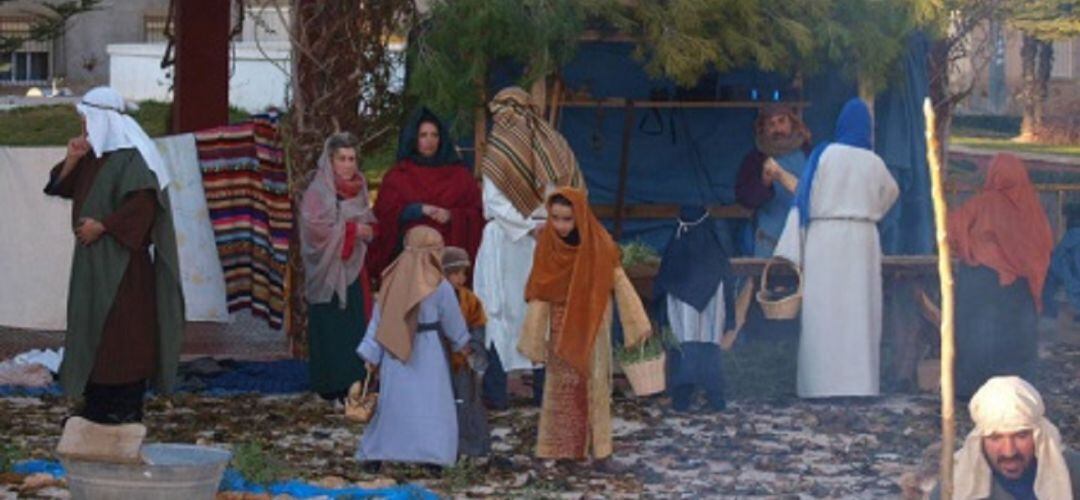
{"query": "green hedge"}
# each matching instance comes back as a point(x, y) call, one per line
point(986, 125)
point(56, 123)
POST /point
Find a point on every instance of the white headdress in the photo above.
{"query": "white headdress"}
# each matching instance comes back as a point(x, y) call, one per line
point(109, 128)
point(1006, 405)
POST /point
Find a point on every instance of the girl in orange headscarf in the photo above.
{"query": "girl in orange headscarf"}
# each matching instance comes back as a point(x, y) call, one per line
point(1004, 241)
point(575, 274)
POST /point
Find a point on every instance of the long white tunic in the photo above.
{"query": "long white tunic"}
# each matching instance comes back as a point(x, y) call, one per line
point(503, 263)
point(839, 346)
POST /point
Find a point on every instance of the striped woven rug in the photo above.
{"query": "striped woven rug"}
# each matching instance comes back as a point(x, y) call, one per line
point(243, 168)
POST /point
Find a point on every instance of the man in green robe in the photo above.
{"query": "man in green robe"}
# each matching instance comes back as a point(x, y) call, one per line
point(125, 310)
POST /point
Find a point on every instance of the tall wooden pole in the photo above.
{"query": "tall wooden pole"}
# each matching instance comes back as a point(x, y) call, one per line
point(948, 343)
point(201, 81)
point(624, 168)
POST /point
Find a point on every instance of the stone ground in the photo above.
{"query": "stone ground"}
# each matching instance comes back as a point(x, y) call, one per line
point(777, 449)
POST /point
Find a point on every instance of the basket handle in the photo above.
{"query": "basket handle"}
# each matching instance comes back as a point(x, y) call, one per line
point(769, 264)
point(367, 380)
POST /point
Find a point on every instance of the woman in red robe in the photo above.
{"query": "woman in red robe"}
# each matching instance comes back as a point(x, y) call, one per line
point(429, 186)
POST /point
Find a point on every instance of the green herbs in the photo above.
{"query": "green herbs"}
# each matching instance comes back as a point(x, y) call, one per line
point(9, 456)
point(256, 464)
point(637, 253)
point(652, 348)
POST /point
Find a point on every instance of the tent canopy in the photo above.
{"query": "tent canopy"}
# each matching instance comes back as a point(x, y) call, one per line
point(691, 154)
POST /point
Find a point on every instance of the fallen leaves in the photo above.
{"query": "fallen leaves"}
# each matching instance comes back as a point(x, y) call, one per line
point(757, 447)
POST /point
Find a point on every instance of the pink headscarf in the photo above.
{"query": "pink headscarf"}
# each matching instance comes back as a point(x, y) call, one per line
point(323, 218)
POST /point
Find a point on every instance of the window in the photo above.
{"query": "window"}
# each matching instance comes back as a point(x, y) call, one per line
point(154, 28)
point(1065, 60)
point(28, 65)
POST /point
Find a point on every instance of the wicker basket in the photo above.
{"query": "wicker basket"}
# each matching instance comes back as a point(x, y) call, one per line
point(784, 307)
point(647, 377)
point(360, 404)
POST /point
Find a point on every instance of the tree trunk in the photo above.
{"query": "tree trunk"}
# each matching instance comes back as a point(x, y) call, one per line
point(937, 65)
point(1043, 66)
point(1037, 58)
point(341, 65)
point(1028, 52)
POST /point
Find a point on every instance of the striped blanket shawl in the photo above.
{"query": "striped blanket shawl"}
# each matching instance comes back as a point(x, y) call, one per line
point(526, 157)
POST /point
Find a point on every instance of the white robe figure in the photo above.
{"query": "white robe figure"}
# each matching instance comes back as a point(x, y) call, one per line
point(503, 263)
point(839, 345)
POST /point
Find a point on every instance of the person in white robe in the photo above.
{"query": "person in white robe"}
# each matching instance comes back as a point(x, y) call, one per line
point(832, 233)
point(524, 158)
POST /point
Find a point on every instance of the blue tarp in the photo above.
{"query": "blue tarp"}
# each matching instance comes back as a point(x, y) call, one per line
point(261, 377)
point(49, 467)
point(11, 390)
point(267, 377)
point(233, 481)
point(682, 155)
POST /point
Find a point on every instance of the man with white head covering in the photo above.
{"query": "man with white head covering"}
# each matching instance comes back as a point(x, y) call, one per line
point(125, 308)
point(1013, 452)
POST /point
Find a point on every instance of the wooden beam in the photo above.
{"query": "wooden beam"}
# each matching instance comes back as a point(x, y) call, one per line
point(953, 187)
point(599, 36)
point(619, 102)
point(891, 266)
point(624, 167)
point(667, 211)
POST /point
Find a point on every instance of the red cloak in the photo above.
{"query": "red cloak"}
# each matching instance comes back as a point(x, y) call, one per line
point(448, 186)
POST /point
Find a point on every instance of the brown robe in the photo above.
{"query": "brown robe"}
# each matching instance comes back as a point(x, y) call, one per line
point(128, 349)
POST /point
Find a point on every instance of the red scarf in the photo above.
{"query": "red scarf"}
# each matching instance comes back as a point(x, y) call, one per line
point(449, 186)
point(348, 188)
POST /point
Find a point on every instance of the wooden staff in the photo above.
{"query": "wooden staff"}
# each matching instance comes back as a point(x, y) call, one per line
point(948, 348)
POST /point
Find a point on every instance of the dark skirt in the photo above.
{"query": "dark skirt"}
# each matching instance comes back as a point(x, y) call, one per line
point(333, 335)
point(695, 365)
point(996, 329)
point(473, 436)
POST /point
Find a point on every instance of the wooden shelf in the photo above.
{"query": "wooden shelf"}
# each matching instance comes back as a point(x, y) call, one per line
point(659, 211)
point(618, 102)
point(891, 266)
